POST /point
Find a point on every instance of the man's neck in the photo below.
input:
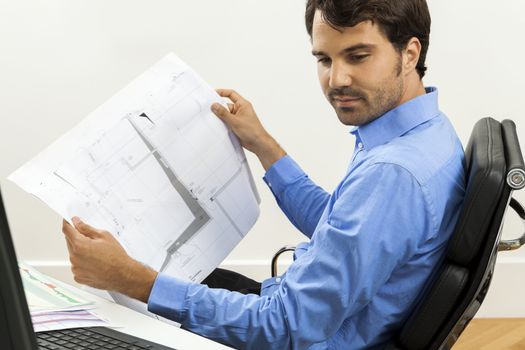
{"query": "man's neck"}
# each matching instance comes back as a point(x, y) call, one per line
point(414, 87)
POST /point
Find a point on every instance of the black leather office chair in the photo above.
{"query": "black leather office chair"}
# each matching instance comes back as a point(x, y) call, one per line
point(454, 294)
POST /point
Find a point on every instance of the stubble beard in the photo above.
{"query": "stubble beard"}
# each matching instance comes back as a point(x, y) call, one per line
point(372, 105)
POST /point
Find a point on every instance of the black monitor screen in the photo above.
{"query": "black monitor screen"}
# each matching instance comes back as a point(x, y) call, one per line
point(16, 330)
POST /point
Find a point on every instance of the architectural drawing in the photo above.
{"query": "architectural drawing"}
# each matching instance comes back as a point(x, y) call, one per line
point(156, 168)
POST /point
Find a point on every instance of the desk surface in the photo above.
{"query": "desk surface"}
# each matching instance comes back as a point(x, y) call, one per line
point(145, 327)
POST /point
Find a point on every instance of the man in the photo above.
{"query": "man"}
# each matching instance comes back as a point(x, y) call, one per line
point(374, 241)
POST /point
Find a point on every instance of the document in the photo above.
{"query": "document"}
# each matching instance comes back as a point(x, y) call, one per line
point(156, 168)
point(44, 295)
point(53, 306)
point(49, 321)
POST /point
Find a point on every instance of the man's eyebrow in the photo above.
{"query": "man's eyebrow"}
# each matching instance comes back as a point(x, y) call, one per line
point(348, 50)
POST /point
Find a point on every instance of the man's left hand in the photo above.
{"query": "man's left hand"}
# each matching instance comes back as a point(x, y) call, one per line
point(98, 260)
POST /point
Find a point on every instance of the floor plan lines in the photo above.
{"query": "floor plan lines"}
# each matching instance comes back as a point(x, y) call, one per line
point(155, 167)
point(201, 218)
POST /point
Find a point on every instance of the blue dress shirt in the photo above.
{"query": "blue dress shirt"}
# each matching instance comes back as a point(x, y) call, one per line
point(373, 244)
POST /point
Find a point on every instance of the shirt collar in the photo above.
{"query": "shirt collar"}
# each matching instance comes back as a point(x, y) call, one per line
point(399, 120)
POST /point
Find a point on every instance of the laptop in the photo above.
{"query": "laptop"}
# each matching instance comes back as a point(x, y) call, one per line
point(16, 329)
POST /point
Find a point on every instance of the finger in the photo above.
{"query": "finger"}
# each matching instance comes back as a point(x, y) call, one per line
point(72, 235)
point(221, 112)
point(231, 94)
point(231, 107)
point(69, 244)
point(86, 229)
point(79, 279)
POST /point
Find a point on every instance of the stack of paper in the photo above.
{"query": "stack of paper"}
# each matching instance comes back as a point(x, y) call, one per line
point(53, 306)
point(47, 321)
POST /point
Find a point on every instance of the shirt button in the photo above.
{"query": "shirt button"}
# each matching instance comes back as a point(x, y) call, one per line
point(278, 279)
point(360, 145)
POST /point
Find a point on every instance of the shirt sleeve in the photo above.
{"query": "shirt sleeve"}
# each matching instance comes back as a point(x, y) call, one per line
point(301, 200)
point(375, 224)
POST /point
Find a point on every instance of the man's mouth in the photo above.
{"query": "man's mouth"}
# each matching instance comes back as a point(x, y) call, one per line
point(345, 101)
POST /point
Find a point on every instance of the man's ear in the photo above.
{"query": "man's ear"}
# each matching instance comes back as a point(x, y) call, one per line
point(411, 55)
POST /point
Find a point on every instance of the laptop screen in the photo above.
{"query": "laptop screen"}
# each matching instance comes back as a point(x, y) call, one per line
point(16, 329)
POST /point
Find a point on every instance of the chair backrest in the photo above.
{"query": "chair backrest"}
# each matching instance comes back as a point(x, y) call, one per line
point(494, 166)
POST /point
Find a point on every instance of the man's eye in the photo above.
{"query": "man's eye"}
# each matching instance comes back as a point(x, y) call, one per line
point(357, 58)
point(324, 61)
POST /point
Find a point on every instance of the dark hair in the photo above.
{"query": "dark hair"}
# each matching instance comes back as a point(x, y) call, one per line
point(399, 20)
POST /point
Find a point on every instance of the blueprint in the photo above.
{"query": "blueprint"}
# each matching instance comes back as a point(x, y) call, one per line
point(156, 168)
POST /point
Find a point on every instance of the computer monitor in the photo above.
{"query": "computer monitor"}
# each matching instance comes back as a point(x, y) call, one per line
point(16, 329)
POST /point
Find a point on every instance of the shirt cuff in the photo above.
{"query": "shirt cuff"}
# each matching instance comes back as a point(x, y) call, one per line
point(168, 298)
point(282, 173)
point(270, 285)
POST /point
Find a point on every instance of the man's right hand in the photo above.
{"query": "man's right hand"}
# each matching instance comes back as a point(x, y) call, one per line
point(242, 119)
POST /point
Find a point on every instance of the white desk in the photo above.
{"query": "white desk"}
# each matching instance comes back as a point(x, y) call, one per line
point(145, 327)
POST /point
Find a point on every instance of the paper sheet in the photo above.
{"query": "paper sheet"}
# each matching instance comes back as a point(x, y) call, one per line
point(156, 168)
point(49, 321)
point(44, 295)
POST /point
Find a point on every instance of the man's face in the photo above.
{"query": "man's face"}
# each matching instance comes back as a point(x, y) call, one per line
point(360, 71)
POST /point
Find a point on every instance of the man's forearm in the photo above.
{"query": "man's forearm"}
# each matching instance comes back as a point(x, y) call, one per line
point(269, 151)
point(137, 281)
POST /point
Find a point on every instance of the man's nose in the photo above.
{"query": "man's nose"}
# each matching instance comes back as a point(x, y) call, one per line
point(340, 76)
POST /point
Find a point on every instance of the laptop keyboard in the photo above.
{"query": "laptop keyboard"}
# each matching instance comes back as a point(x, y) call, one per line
point(86, 338)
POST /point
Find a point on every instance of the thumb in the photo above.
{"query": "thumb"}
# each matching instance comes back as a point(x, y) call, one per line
point(86, 229)
point(221, 112)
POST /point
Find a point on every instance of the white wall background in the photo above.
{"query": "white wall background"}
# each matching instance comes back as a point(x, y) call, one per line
point(60, 59)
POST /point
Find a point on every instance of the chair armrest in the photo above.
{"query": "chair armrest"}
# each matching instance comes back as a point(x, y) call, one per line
point(514, 244)
point(514, 157)
point(286, 248)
